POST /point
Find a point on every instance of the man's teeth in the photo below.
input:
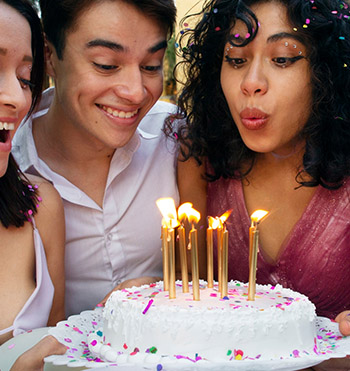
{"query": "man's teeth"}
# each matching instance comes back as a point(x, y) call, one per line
point(7, 126)
point(120, 114)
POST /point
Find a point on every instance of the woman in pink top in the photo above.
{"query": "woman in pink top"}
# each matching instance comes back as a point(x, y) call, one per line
point(268, 127)
point(31, 212)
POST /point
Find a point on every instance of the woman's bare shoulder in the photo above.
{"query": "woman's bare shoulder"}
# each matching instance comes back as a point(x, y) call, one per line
point(50, 206)
point(47, 192)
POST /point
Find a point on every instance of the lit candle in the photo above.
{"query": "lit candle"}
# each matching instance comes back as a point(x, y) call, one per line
point(182, 212)
point(219, 254)
point(172, 278)
point(224, 259)
point(194, 217)
point(165, 254)
point(220, 236)
point(210, 259)
point(168, 210)
point(253, 250)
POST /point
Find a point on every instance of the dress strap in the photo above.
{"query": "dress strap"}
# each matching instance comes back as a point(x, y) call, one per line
point(32, 220)
point(6, 330)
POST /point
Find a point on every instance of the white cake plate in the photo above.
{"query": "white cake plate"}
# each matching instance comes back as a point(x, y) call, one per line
point(75, 331)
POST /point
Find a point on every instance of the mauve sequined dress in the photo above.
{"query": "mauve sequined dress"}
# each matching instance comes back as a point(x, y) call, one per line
point(315, 258)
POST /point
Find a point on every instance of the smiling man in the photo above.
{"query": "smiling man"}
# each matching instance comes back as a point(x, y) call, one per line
point(97, 137)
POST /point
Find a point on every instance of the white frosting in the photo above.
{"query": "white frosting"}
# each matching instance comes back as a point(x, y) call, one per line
point(280, 323)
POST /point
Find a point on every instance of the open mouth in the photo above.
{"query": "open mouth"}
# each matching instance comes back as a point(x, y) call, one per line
point(5, 129)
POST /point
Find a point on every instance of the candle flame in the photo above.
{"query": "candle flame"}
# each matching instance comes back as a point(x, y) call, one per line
point(214, 223)
point(193, 215)
point(258, 215)
point(168, 209)
point(219, 221)
point(225, 215)
point(184, 209)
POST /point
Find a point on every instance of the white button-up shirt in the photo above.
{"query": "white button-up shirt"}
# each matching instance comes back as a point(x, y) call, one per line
point(121, 240)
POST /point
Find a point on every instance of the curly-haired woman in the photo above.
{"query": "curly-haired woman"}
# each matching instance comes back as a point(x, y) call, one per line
point(267, 110)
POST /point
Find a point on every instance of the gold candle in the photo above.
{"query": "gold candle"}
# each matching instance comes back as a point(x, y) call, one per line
point(253, 257)
point(171, 246)
point(210, 264)
point(183, 258)
point(168, 210)
point(193, 217)
point(219, 254)
point(253, 250)
point(194, 259)
point(165, 253)
point(224, 259)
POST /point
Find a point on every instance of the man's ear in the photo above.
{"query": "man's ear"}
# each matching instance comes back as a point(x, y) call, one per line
point(50, 58)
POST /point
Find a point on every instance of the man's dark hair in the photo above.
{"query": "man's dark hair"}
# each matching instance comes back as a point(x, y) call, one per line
point(60, 16)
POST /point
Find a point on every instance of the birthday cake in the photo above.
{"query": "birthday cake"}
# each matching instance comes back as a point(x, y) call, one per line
point(279, 323)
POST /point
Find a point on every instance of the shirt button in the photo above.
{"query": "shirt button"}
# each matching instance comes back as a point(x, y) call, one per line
point(109, 237)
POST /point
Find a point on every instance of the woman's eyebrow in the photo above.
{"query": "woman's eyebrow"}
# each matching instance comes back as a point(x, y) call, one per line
point(283, 35)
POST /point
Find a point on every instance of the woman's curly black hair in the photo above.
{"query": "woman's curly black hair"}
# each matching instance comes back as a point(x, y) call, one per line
point(210, 132)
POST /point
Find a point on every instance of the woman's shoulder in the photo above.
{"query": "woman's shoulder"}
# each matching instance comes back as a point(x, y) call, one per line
point(46, 191)
point(50, 212)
